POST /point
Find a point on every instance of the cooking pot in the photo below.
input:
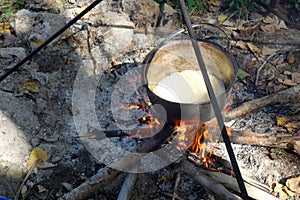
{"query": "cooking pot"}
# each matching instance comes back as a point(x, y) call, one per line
point(174, 80)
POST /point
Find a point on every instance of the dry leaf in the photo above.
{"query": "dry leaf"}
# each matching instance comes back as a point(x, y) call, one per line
point(291, 126)
point(38, 156)
point(36, 43)
point(32, 86)
point(268, 28)
point(222, 18)
point(279, 80)
point(5, 28)
point(241, 45)
point(283, 191)
point(288, 82)
point(282, 25)
point(291, 57)
point(253, 48)
point(296, 77)
point(294, 184)
point(267, 51)
point(297, 147)
point(268, 20)
point(282, 121)
point(286, 72)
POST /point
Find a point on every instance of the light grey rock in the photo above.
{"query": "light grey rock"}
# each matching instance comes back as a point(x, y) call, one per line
point(36, 27)
point(9, 56)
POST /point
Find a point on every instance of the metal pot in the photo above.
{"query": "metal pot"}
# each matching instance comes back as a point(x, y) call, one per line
point(178, 57)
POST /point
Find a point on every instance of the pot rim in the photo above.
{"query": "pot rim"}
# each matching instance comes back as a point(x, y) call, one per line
point(151, 54)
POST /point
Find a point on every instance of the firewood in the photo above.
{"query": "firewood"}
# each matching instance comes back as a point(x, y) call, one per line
point(274, 140)
point(106, 174)
point(212, 185)
point(86, 189)
point(127, 186)
point(220, 181)
point(284, 96)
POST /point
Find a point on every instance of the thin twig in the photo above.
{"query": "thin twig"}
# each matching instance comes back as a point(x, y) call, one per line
point(283, 96)
point(25, 179)
point(127, 186)
point(177, 182)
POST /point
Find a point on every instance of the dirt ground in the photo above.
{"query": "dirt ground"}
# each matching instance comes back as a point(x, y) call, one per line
point(37, 101)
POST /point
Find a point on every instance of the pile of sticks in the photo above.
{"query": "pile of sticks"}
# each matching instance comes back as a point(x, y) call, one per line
point(223, 185)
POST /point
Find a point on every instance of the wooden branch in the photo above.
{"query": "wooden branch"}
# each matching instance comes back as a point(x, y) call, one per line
point(127, 186)
point(284, 96)
point(105, 175)
point(217, 182)
point(274, 140)
point(94, 183)
point(214, 186)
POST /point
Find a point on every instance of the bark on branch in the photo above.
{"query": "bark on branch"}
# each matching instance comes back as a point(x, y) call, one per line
point(218, 182)
point(284, 96)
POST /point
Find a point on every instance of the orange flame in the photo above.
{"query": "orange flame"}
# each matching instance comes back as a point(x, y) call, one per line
point(130, 107)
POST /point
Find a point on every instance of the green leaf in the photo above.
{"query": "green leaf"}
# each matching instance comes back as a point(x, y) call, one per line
point(242, 74)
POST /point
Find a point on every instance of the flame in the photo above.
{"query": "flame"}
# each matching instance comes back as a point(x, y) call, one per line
point(153, 123)
point(130, 107)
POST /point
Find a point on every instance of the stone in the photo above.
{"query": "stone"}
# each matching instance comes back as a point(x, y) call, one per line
point(56, 159)
point(35, 142)
point(36, 27)
point(68, 186)
point(10, 56)
point(294, 184)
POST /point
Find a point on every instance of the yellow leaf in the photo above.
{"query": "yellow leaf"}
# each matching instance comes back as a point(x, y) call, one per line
point(38, 156)
point(253, 48)
point(222, 18)
point(290, 126)
point(267, 51)
point(282, 121)
point(32, 86)
point(36, 43)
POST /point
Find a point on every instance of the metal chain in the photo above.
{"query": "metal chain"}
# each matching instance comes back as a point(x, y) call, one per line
point(213, 100)
point(50, 39)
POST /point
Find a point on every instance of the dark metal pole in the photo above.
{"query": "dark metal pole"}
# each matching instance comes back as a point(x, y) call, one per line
point(213, 100)
point(50, 39)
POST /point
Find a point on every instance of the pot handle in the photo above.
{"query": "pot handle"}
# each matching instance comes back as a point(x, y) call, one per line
point(184, 31)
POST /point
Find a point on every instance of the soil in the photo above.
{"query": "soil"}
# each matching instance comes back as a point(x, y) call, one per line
point(93, 68)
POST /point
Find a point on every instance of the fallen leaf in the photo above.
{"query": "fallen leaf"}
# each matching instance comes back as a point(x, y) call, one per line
point(296, 77)
point(282, 25)
point(35, 43)
point(242, 74)
point(32, 86)
point(222, 18)
point(282, 121)
point(291, 126)
point(269, 20)
point(279, 80)
point(288, 82)
point(253, 48)
point(267, 51)
point(241, 45)
point(294, 184)
point(283, 191)
point(5, 28)
point(38, 157)
point(268, 28)
point(297, 147)
point(291, 57)
point(286, 72)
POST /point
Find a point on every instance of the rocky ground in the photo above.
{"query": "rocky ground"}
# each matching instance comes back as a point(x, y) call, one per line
point(88, 61)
